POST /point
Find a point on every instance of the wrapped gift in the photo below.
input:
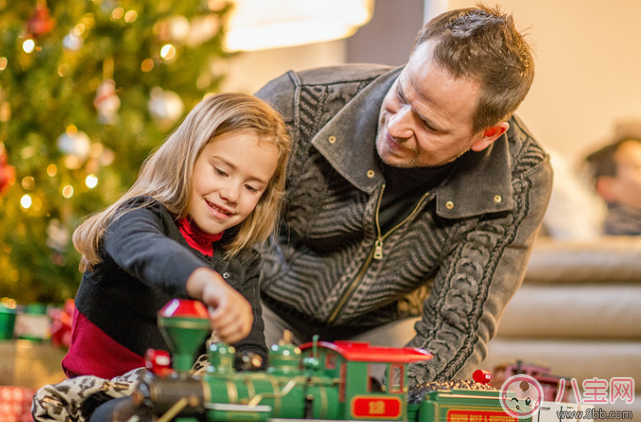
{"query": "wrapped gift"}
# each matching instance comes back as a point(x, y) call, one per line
point(15, 404)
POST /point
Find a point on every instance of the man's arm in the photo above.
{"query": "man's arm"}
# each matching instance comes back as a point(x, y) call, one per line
point(480, 274)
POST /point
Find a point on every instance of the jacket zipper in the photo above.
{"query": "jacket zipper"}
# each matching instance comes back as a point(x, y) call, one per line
point(376, 253)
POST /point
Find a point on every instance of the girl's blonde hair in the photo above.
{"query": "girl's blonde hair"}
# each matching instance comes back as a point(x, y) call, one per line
point(166, 175)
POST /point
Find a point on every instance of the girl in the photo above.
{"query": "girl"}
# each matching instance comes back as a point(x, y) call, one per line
point(186, 228)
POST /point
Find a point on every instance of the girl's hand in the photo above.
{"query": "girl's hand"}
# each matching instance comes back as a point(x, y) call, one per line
point(229, 312)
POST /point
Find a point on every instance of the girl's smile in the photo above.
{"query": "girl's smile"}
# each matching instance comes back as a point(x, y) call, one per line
point(218, 211)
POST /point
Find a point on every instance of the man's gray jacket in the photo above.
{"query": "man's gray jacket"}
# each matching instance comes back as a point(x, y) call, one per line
point(465, 245)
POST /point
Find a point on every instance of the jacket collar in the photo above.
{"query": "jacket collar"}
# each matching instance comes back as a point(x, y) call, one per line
point(481, 184)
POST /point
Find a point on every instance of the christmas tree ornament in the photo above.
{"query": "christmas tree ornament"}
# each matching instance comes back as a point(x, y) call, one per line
point(107, 102)
point(75, 143)
point(179, 28)
point(7, 172)
point(72, 41)
point(173, 29)
point(57, 236)
point(166, 107)
point(40, 23)
point(203, 28)
point(5, 111)
point(107, 157)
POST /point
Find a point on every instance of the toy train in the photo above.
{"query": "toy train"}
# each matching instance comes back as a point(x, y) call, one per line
point(318, 380)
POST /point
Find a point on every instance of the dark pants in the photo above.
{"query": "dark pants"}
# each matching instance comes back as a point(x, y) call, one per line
point(118, 410)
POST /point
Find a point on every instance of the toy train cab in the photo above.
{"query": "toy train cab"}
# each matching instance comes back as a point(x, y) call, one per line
point(358, 366)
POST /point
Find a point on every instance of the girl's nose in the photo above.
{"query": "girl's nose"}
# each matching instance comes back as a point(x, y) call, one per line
point(229, 193)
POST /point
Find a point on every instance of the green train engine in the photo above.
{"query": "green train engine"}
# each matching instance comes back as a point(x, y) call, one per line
point(318, 380)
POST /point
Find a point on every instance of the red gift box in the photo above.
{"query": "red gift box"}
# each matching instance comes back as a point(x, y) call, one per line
point(15, 404)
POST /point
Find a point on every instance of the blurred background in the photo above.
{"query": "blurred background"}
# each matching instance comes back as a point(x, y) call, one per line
point(89, 88)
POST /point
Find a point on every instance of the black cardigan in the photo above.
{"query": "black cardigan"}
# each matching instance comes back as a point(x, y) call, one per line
point(145, 263)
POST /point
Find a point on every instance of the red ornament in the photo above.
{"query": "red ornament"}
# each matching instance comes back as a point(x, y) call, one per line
point(40, 23)
point(7, 172)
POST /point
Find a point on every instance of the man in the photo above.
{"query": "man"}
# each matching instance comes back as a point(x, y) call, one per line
point(616, 171)
point(408, 186)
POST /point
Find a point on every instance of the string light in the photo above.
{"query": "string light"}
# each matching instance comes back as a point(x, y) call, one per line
point(63, 69)
point(28, 183)
point(67, 191)
point(79, 29)
point(117, 13)
point(147, 65)
point(52, 170)
point(28, 46)
point(3, 63)
point(168, 52)
point(26, 201)
point(5, 112)
point(9, 303)
point(131, 16)
point(96, 150)
point(37, 204)
point(72, 162)
point(91, 181)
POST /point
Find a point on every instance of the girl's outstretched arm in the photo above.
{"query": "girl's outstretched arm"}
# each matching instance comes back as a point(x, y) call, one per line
point(230, 313)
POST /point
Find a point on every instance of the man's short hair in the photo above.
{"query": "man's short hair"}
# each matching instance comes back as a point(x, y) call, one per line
point(482, 43)
point(602, 163)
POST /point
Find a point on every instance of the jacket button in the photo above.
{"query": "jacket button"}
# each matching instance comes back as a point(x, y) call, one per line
point(225, 276)
point(370, 173)
point(498, 199)
point(449, 205)
point(332, 139)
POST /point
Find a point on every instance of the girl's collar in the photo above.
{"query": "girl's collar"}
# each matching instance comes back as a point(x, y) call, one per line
point(196, 238)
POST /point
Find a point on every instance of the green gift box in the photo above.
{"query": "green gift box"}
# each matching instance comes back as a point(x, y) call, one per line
point(7, 322)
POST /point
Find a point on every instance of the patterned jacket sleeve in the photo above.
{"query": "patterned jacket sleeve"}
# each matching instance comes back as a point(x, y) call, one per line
point(482, 269)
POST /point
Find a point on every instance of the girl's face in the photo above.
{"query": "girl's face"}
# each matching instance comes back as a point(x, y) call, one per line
point(230, 175)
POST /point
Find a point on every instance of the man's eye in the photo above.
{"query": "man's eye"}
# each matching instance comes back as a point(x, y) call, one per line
point(428, 126)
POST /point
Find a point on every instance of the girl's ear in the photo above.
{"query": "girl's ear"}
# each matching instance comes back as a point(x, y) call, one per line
point(490, 135)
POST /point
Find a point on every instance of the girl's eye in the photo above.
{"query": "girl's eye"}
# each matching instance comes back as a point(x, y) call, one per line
point(251, 189)
point(219, 172)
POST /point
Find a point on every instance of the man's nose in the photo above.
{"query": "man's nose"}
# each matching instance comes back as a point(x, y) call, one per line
point(400, 123)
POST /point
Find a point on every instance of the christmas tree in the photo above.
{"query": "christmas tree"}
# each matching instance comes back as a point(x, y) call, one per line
point(87, 90)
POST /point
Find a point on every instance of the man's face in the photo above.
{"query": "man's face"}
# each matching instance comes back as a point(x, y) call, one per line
point(426, 117)
point(626, 184)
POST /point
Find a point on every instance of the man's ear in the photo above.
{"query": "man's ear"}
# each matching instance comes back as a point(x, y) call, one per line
point(490, 135)
point(605, 188)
